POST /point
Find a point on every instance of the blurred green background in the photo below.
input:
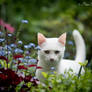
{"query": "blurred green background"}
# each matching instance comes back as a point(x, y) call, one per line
point(52, 18)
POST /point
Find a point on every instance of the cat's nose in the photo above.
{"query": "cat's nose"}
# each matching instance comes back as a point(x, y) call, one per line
point(51, 59)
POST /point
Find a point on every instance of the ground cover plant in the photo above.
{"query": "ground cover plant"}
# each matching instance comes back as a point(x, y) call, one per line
point(18, 63)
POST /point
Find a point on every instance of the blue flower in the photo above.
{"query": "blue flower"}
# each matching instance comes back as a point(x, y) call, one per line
point(9, 35)
point(20, 42)
point(38, 48)
point(17, 50)
point(52, 68)
point(26, 46)
point(27, 57)
point(1, 33)
point(70, 42)
point(13, 45)
point(2, 39)
point(24, 21)
point(7, 47)
point(32, 45)
point(32, 60)
point(2, 53)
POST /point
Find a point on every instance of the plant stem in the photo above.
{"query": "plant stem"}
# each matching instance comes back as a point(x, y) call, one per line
point(79, 72)
point(6, 36)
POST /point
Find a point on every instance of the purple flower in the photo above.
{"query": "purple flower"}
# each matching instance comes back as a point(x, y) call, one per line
point(27, 52)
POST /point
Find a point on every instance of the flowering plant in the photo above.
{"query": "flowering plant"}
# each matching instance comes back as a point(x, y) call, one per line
point(16, 64)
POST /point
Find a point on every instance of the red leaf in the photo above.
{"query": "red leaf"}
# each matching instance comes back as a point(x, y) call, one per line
point(32, 65)
point(38, 67)
point(3, 77)
point(19, 61)
point(22, 67)
point(4, 58)
point(18, 56)
point(27, 78)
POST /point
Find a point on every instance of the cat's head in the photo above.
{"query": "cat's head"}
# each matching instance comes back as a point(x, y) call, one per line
point(52, 49)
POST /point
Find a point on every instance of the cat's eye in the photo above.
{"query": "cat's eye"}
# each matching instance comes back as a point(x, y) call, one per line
point(47, 51)
point(57, 52)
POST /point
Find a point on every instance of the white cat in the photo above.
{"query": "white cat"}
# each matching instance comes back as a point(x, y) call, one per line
point(52, 53)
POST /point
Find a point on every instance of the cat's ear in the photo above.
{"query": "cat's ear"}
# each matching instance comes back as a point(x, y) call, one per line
point(62, 39)
point(41, 39)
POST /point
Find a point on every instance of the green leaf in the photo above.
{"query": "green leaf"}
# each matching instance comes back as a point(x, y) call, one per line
point(29, 84)
point(83, 63)
point(19, 86)
point(44, 74)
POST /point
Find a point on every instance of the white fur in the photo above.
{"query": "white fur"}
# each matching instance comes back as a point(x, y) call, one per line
point(61, 65)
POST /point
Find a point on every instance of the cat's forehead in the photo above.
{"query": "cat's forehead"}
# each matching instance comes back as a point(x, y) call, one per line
point(52, 44)
point(51, 40)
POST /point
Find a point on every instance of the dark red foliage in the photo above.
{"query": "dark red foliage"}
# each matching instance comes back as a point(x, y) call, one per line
point(18, 56)
point(27, 78)
point(19, 61)
point(9, 77)
point(22, 67)
point(4, 58)
point(38, 67)
point(32, 65)
point(3, 77)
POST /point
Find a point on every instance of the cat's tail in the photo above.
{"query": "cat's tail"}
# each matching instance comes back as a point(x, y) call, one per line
point(80, 47)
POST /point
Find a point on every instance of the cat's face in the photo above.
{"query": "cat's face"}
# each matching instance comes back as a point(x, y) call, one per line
point(52, 49)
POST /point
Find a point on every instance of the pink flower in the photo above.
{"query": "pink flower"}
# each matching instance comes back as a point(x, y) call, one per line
point(7, 26)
